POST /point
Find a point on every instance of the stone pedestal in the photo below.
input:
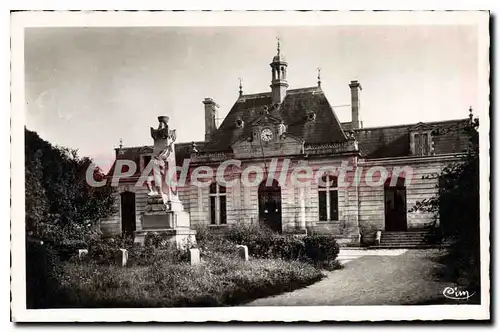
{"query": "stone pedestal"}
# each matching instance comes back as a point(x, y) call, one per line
point(159, 218)
point(180, 237)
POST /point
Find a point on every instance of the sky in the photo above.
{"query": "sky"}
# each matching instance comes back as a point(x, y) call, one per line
point(87, 88)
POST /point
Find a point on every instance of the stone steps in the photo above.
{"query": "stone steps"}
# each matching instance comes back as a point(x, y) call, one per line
point(404, 246)
point(410, 239)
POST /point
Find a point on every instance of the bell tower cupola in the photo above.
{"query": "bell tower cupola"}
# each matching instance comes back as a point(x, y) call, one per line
point(279, 83)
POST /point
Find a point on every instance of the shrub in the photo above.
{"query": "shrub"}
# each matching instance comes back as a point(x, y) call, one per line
point(263, 243)
point(321, 248)
point(61, 207)
point(244, 233)
point(104, 251)
point(155, 249)
point(43, 271)
point(287, 247)
point(157, 240)
point(456, 205)
point(149, 256)
point(202, 233)
point(210, 248)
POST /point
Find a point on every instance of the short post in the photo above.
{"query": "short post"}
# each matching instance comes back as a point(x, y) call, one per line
point(378, 236)
point(122, 257)
point(242, 251)
point(194, 256)
point(82, 253)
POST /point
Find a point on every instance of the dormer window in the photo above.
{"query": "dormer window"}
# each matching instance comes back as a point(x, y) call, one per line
point(421, 140)
point(311, 116)
point(239, 123)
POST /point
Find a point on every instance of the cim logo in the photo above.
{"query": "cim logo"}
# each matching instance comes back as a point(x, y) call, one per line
point(456, 294)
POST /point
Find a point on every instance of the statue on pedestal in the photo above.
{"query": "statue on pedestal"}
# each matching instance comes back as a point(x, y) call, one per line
point(164, 213)
point(163, 181)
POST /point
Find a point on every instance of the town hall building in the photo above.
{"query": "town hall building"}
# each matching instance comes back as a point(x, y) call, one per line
point(364, 180)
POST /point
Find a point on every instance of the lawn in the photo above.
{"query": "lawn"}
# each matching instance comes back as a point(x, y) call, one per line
point(220, 280)
point(157, 275)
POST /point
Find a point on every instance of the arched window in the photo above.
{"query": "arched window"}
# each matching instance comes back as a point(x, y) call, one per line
point(328, 198)
point(217, 197)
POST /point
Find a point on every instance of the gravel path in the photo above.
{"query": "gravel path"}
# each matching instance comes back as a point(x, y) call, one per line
point(403, 278)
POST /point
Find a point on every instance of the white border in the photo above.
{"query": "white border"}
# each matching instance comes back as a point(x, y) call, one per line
point(352, 313)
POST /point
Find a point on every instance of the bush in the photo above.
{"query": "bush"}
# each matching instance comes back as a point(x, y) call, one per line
point(202, 233)
point(156, 249)
point(210, 248)
point(321, 248)
point(61, 207)
point(287, 247)
point(105, 250)
point(263, 243)
point(150, 256)
point(244, 233)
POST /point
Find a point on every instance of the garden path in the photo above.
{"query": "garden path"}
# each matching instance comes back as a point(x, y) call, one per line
point(385, 277)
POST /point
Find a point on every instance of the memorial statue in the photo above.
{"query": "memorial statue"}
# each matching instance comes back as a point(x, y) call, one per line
point(164, 172)
point(164, 212)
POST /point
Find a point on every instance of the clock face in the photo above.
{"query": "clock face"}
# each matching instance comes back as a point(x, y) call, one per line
point(266, 134)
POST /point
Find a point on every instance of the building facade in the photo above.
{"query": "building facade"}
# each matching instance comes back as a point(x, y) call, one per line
point(282, 158)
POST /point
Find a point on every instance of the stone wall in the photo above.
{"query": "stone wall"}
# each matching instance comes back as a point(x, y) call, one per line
point(372, 201)
point(299, 204)
point(361, 207)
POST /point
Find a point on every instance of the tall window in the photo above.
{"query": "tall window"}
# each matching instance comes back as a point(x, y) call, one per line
point(422, 147)
point(421, 142)
point(328, 198)
point(217, 196)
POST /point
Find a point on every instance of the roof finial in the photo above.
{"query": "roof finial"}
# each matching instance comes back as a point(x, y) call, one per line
point(319, 77)
point(470, 114)
point(278, 39)
point(121, 143)
point(241, 86)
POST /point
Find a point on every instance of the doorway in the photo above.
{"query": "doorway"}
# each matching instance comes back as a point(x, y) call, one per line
point(128, 213)
point(270, 205)
point(395, 205)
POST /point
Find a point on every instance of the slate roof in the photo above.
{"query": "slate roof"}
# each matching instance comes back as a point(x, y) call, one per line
point(182, 151)
point(375, 142)
point(394, 141)
point(294, 110)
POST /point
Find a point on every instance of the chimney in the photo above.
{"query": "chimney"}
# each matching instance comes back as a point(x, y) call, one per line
point(210, 116)
point(355, 92)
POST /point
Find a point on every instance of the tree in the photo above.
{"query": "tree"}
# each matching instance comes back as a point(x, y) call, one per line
point(61, 207)
point(456, 206)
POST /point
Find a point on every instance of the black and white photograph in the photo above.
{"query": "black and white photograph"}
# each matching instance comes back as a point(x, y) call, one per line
point(250, 166)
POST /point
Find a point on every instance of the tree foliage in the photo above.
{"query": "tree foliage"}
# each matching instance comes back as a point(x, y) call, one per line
point(61, 207)
point(456, 207)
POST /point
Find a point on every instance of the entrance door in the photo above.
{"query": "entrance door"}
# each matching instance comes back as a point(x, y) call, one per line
point(395, 206)
point(270, 205)
point(128, 213)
